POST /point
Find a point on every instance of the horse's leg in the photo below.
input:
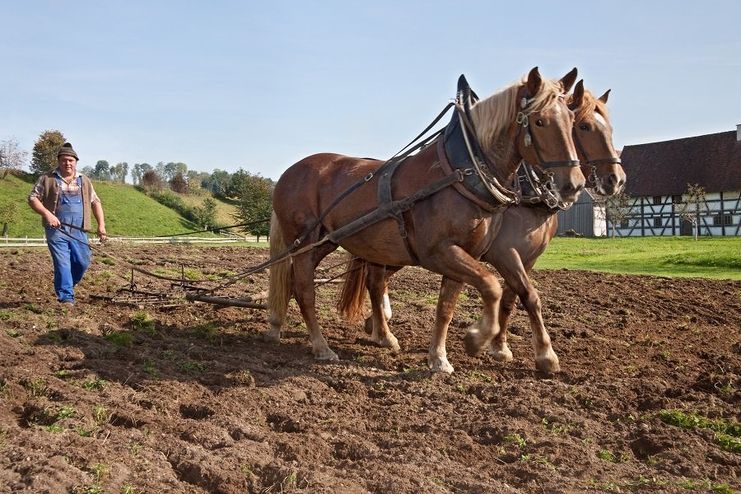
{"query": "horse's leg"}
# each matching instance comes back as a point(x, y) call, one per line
point(515, 275)
point(386, 301)
point(437, 358)
point(499, 347)
point(377, 284)
point(457, 264)
point(304, 290)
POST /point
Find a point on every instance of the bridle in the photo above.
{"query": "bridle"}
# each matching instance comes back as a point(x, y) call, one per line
point(593, 163)
point(546, 190)
point(523, 120)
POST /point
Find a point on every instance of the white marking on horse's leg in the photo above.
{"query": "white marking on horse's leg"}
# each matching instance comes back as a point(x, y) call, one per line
point(438, 362)
point(387, 307)
point(500, 351)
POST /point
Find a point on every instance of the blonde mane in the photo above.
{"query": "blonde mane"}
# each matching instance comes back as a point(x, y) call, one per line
point(493, 115)
point(589, 106)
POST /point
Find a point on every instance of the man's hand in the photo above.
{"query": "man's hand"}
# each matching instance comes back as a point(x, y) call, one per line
point(102, 235)
point(53, 221)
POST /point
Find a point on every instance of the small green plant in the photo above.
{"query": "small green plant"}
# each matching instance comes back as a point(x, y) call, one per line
point(100, 414)
point(36, 387)
point(63, 374)
point(66, 412)
point(13, 333)
point(94, 384)
point(135, 448)
point(128, 489)
point(99, 471)
point(5, 315)
point(108, 261)
point(120, 339)
point(85, 431)
point(207, 331)
point(192, 366)
point(141, 321)
point(34, 308)
point(150, 367)
point(727, 433)
point(516, 439)
point(607, 455)
point(54, 428)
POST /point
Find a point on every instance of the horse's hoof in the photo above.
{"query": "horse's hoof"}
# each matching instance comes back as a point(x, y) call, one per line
point(548, 364)
point(439, 364)
point(326, 355)
point(271, 336)
point(473, 342)
point(501, 354)
point(390, 342)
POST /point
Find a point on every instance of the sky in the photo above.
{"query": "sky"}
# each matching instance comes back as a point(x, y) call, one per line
point(260, 85)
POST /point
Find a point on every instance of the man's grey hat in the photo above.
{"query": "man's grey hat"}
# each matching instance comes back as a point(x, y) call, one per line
point(67, 150)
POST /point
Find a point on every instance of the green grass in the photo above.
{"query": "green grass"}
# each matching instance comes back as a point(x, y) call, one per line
point(225, 210)
point(708, 257)
point(128, 211)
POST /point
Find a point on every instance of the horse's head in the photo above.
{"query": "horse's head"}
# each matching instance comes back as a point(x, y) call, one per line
point(593, 138)
point(530, 120)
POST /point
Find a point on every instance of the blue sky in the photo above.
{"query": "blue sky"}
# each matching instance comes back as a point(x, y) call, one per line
point(259, 85)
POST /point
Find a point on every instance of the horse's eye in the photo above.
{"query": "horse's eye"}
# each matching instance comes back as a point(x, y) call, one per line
point(539, 122)
point(584, 126)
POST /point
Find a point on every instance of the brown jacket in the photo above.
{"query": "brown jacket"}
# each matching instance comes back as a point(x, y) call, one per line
point(48, 194)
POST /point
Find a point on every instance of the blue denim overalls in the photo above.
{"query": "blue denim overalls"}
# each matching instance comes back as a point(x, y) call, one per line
point(71, 256)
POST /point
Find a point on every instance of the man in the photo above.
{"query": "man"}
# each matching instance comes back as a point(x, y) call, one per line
point(65, 198)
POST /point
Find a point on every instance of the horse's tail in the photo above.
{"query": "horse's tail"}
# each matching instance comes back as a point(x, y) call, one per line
point(352, 297)
point(279, 288)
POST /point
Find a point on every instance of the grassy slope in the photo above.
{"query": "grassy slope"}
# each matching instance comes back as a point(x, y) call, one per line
point(128, 211)
point(224, 210)
point(708, 257)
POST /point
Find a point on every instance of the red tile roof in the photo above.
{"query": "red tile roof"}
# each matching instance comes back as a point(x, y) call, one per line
point(665, 168)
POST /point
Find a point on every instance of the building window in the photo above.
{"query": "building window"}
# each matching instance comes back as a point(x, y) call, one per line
point(722, 220)
point(657, 199)
point(658, 223)
point(676, 199)
point(625, 224)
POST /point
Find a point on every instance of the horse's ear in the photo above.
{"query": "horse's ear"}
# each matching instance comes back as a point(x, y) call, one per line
point(604, 97)
point(534, 82)
point(568, 80)
point(578, 97)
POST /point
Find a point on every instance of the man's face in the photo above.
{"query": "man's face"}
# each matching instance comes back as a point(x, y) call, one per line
point(67, 165)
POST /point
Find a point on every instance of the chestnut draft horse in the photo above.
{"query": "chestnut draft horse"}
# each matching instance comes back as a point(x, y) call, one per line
point(524, 235)
point(442, 231)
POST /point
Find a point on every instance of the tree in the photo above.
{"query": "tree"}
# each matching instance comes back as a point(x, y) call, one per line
point(139, 170)
point(12, 157)
point(689, 208)
point(8, 214)
point(151, 181)
point(218, 183)
point(119, 172)
point(255, 204)
point(102, 170)
point(179, 184)
point(617, 209)
point(205, 216)
point(196, 179)
point(44, 156)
